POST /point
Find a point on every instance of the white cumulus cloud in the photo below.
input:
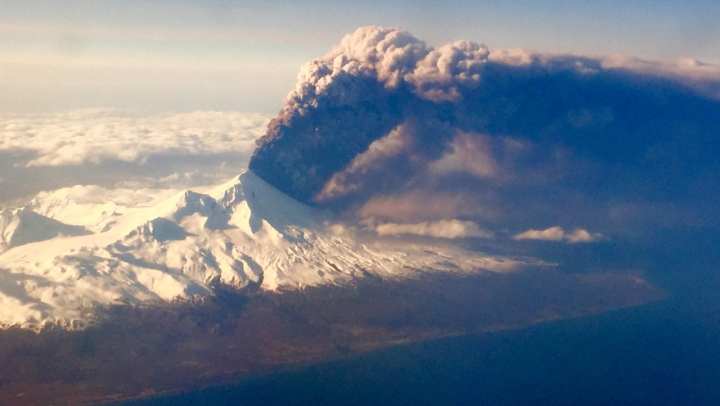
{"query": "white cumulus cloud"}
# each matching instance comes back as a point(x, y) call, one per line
point(439, 229)
point(558, 234)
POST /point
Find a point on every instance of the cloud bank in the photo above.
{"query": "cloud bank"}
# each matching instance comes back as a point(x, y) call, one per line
point(384, 125)
point(122, 149)
point(558, 234)
point(94, 136)
point(440, 229)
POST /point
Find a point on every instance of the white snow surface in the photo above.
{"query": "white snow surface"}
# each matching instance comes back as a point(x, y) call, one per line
point(59, 256)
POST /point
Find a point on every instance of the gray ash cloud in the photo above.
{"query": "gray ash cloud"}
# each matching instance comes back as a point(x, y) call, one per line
point(385, 125)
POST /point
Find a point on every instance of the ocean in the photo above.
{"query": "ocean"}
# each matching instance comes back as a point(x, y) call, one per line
point(663, 353)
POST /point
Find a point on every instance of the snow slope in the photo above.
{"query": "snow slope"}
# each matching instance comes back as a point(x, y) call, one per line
point(243, 233)
point(23, 226)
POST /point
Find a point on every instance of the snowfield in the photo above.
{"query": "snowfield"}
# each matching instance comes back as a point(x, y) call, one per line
point(60, 257)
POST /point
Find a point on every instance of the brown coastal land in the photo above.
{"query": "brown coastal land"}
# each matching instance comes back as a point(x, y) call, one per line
point(142, 351)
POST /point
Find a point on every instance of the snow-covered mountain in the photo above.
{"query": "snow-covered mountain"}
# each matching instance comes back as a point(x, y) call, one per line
point(23, 226)
point(63, 257)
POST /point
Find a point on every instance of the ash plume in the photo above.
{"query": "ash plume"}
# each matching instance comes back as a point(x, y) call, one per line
point(507, 136)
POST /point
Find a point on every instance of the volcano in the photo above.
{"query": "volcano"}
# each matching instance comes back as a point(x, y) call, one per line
point(244, 234)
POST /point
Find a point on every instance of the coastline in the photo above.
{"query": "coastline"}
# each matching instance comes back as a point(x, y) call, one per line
point(352, 361)
point(138, 353)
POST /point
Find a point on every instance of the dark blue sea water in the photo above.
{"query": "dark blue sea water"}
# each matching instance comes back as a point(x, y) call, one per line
point(659, 354)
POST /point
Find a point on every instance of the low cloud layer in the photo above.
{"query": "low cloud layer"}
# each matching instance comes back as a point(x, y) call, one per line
point(558, 234)
point(94, 194)
point(440, 229)
point(95, 136)
point(113, 148)
point(385, 126)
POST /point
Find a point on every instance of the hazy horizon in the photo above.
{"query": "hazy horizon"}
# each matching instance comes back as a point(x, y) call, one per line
point(161, 56)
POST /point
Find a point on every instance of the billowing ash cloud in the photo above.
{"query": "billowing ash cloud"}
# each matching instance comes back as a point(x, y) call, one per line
point(388, 127)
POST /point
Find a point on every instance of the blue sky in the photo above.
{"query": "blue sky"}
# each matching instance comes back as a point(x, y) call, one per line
point(241, 55)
